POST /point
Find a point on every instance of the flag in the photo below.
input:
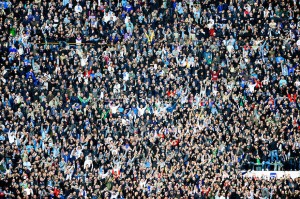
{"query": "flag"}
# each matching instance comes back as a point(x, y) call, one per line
point(12, 32)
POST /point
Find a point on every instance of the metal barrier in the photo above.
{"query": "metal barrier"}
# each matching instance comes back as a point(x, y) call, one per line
point(258, 166)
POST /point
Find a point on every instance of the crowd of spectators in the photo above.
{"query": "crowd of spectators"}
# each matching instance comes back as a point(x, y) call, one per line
point(148, 99)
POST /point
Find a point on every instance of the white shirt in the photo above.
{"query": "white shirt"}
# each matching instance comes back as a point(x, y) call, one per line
point(229, 48)
point(27, 164)
point(126, 76)
point(211, 23)
point(77, 153)
point(184, 99)
point(106, 18)
point(117, 88)
point(11, 137)
point(143, 183)
point(114, 109)
point(141, 111)
point(28, 191)
point(127, 19)
point(78, 40)
point(78, 9)
point(101, 95)
point(251, 87)
point(88, 163)
point(21, 51)
point(114, 195)
point(83, 61)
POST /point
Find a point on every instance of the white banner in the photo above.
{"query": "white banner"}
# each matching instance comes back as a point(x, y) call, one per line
point(272, 174)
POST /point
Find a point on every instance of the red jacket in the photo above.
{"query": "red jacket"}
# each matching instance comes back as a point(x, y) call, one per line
point(211, 32)
point(87, 73)
point(161, 135)
point(175, 142)
point(258, 84)
point(56, 191)
point(292, 98)
point(171, 93)
point(205, 191)
point(215, 75)
point(271, 101)
point(116, 173)
point(246, 47)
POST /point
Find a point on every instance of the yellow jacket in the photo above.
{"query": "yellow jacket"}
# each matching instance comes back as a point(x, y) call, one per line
point(150, 38)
